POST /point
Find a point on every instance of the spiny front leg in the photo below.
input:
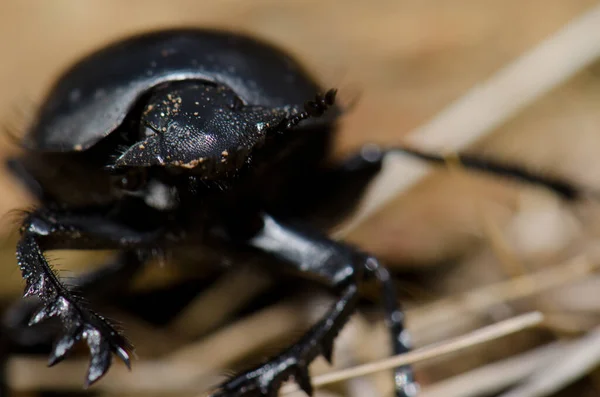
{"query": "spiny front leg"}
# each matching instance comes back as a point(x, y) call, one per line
point(78, 321)
point(99, 284)
point(49, 230)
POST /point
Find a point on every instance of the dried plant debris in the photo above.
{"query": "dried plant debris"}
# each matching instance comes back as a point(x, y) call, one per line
point(509, 306)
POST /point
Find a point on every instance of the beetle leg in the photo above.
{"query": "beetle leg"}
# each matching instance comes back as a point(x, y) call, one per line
point(342, 185)
point(79, 322)
point(371, 158)
point(43, 230)
point(111, 278)
point(341, 267)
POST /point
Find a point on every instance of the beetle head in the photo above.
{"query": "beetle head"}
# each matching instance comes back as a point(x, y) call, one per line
point(208, 129)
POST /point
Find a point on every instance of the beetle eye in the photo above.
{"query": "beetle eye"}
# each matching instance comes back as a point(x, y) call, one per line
point(132, 180)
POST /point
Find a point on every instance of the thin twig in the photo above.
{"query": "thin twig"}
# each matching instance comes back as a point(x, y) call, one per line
point(478, 300)
point(486, 107)
point(478, 336)
point(495, 377)
point(581, 358)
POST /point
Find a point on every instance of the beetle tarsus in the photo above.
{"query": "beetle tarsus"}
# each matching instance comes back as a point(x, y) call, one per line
point(266, 379)
point(58, 302)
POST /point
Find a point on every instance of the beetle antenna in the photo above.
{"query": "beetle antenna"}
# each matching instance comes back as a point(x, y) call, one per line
point(314, 108)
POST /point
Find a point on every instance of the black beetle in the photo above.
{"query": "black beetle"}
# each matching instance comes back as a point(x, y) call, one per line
point(198, 138)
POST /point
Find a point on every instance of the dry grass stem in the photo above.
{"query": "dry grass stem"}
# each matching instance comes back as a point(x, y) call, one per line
point(486, 107)
point(497, 376)
point(577, 361)
point(476, 337)
point(480, 299)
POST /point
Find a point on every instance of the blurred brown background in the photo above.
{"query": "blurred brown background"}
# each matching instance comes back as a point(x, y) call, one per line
point(407, 59)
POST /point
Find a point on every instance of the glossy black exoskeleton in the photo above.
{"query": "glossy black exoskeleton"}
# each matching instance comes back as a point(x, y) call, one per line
point(195, 138)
